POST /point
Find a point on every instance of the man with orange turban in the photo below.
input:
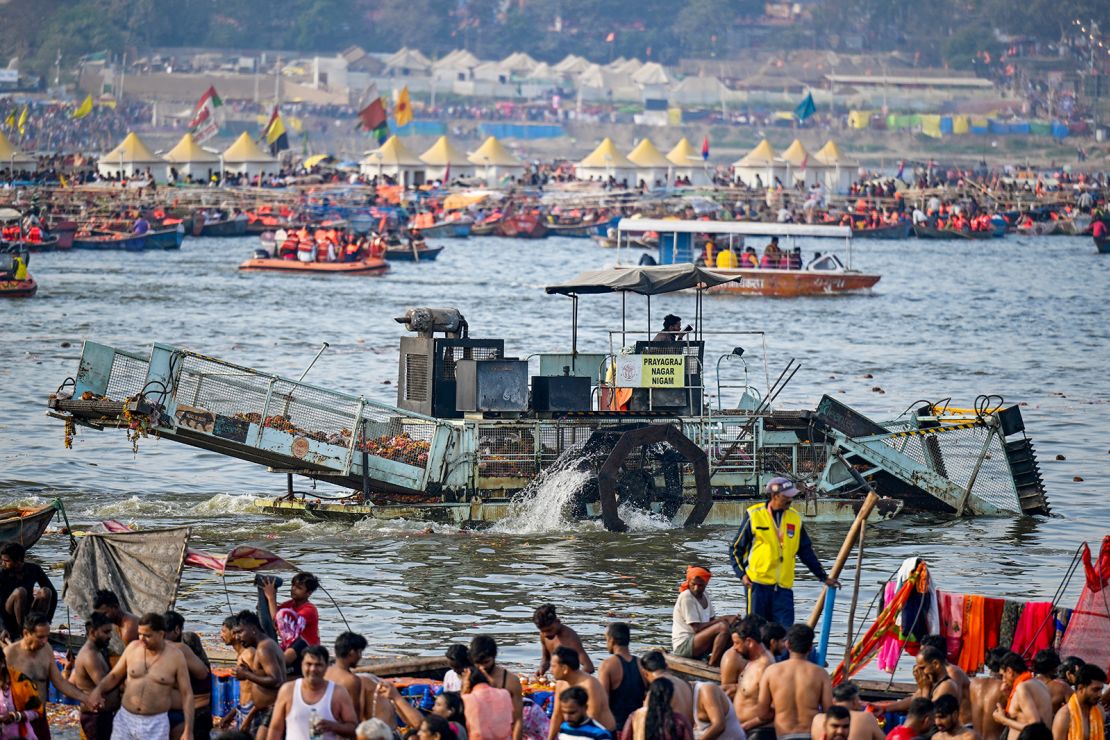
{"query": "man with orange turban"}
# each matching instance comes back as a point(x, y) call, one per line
point(696, 630)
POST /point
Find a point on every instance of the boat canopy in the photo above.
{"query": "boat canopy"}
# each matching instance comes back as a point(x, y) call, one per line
point(742, 228)
point(643, 280)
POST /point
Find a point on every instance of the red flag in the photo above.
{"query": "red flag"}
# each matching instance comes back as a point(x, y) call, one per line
point(373, 115)
point(705, 148)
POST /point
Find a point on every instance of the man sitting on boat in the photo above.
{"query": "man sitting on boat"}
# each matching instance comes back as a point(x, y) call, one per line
point(24, 588)
point(696, 630)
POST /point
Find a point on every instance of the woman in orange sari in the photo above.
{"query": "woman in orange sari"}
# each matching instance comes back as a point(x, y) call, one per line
point(19, 704)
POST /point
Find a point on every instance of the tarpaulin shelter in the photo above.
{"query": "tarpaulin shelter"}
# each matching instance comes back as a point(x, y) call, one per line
point(142, 568)
point(1088, 632)
point(653, 280)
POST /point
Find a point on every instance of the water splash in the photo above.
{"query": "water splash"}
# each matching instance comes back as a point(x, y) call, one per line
point(541, 507)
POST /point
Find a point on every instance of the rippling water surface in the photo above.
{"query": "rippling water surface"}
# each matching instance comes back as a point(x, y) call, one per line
point(1024, 318)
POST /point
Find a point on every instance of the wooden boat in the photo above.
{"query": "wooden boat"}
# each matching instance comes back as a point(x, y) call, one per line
point(18, 288)
point(899, 230)
point(928, 232)
point(110, 240)
point(578, 230)
point(522, 226)
point(368, 266)
point(170, 238)
point(49, 243)
point(420, 254)
point(449, 229)
point(484, 229)
point(64, 230)
point(795, 283)
point(226, 228)
point(25, 525)
point(1040, 228)
point(1103, 244)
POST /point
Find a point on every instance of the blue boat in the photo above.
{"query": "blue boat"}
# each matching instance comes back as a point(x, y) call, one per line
point(404, 254)
point(448, 229)
point(165, 238)
point(111, 240)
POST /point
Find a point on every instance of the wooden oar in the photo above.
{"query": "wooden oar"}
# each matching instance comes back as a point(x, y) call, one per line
point(845, 550)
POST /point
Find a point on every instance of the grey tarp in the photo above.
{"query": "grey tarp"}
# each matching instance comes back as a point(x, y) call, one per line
point(643, 280)
point(142, 568)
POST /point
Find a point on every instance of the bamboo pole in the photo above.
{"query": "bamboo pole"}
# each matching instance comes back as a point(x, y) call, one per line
point(845, 551)
point(855, 593)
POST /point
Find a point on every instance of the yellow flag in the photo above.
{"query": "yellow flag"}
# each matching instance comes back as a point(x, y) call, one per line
point(10, 121)
point(84, 109)
point(62, 178)
point(402, 112)
point(23, 119)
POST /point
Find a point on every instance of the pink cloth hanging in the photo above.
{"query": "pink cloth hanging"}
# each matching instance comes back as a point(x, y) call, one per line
point(891, 648)
point(1035, 629)
point(951, 622)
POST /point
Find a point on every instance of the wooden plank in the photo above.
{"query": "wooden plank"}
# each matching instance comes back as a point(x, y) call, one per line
point(406, 667)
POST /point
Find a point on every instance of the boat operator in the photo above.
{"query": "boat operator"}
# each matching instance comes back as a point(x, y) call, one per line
point(672, 330)
point(771, 536)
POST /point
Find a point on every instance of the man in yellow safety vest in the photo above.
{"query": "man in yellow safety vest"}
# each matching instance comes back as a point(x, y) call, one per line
point(763, 552)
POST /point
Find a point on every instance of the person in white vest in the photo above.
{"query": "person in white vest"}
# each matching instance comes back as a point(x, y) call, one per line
point(312, 707)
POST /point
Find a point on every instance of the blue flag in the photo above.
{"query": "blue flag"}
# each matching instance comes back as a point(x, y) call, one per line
point(806, 108)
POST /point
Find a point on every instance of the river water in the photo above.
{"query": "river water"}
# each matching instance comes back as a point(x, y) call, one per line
point(1020, 317)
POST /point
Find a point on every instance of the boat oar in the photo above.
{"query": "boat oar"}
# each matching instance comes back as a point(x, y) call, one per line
point(845, 551)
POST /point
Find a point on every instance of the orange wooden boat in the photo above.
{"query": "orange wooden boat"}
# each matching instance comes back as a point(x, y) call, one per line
point(795, 283)
point(368, 266)
point(18, 288)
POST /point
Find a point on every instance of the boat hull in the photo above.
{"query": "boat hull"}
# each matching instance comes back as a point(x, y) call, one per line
point(51, 244)
point(221, 228)
point(522, 227)
point(361, 267)
point(928, 232)
point(25, 526)
point(448, 230)
point(18, 288)
point(129, 242)
point(796, 283)
point(427, 254)
point(1102, 243)
point(892, 231)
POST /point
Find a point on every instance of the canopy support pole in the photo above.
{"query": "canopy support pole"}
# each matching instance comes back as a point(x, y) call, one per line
point(574, 327)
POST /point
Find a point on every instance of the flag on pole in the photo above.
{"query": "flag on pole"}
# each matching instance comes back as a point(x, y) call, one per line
point(705, 148)
point(806, 108)
point(23, 119)
point(10, 121)
point(805, 162)
point(373, 118)
point(84, 109)
point(402, 111)
point(204, 125)
point(275, 135)
point(901, 170)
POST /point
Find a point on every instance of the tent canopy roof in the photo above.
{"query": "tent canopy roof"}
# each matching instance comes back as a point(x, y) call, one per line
point(646, 155)
point(393, 153)
point(9, 154)
point(188, 150)
point(245, 150)
point(606, 156)
point(831, 154)
point(643, 280)
point(762, 154)
point(131, 149)
point(493, 153)
point(651, 73)
point(443, 153)
point(683, 154)
point(796, 153)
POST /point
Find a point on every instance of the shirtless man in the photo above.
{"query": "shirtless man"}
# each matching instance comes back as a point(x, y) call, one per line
point(838, 724)
point(1029, 701)
point(655, 669)
point(946, 716)
point(567, 672)
point(265, 671)
point(293, 719)
point(1090, 682)
point(154, 671)
point(32, 656)
point(986, 692)
point(243, 713)
point(89, 668)
point(931, 674)
point(794, 691)
point(957, 674)
point(863, 726)
point(348, 653)
point(200, 678)
point(483, 653)
point(748, 635)
point(1046, 669)
point(127, 624)
point(554, 634)
point(733, 661)
point(714, 715)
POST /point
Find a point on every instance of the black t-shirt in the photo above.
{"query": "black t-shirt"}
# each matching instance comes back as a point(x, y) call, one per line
point(30, 576)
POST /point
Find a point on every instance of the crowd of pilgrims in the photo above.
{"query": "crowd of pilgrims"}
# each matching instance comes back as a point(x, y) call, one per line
point(147, 677)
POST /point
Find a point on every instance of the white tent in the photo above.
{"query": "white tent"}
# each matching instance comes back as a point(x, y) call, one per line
point(189, 158)
point(604, 162)
point(688, 163)
point(840, 171)
point(759, 163)
point(699, 91)
point(494, 162)
point(131, 158)
point(393, 159)
point(652, 165)
point(444, 159)
point(245, 157)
